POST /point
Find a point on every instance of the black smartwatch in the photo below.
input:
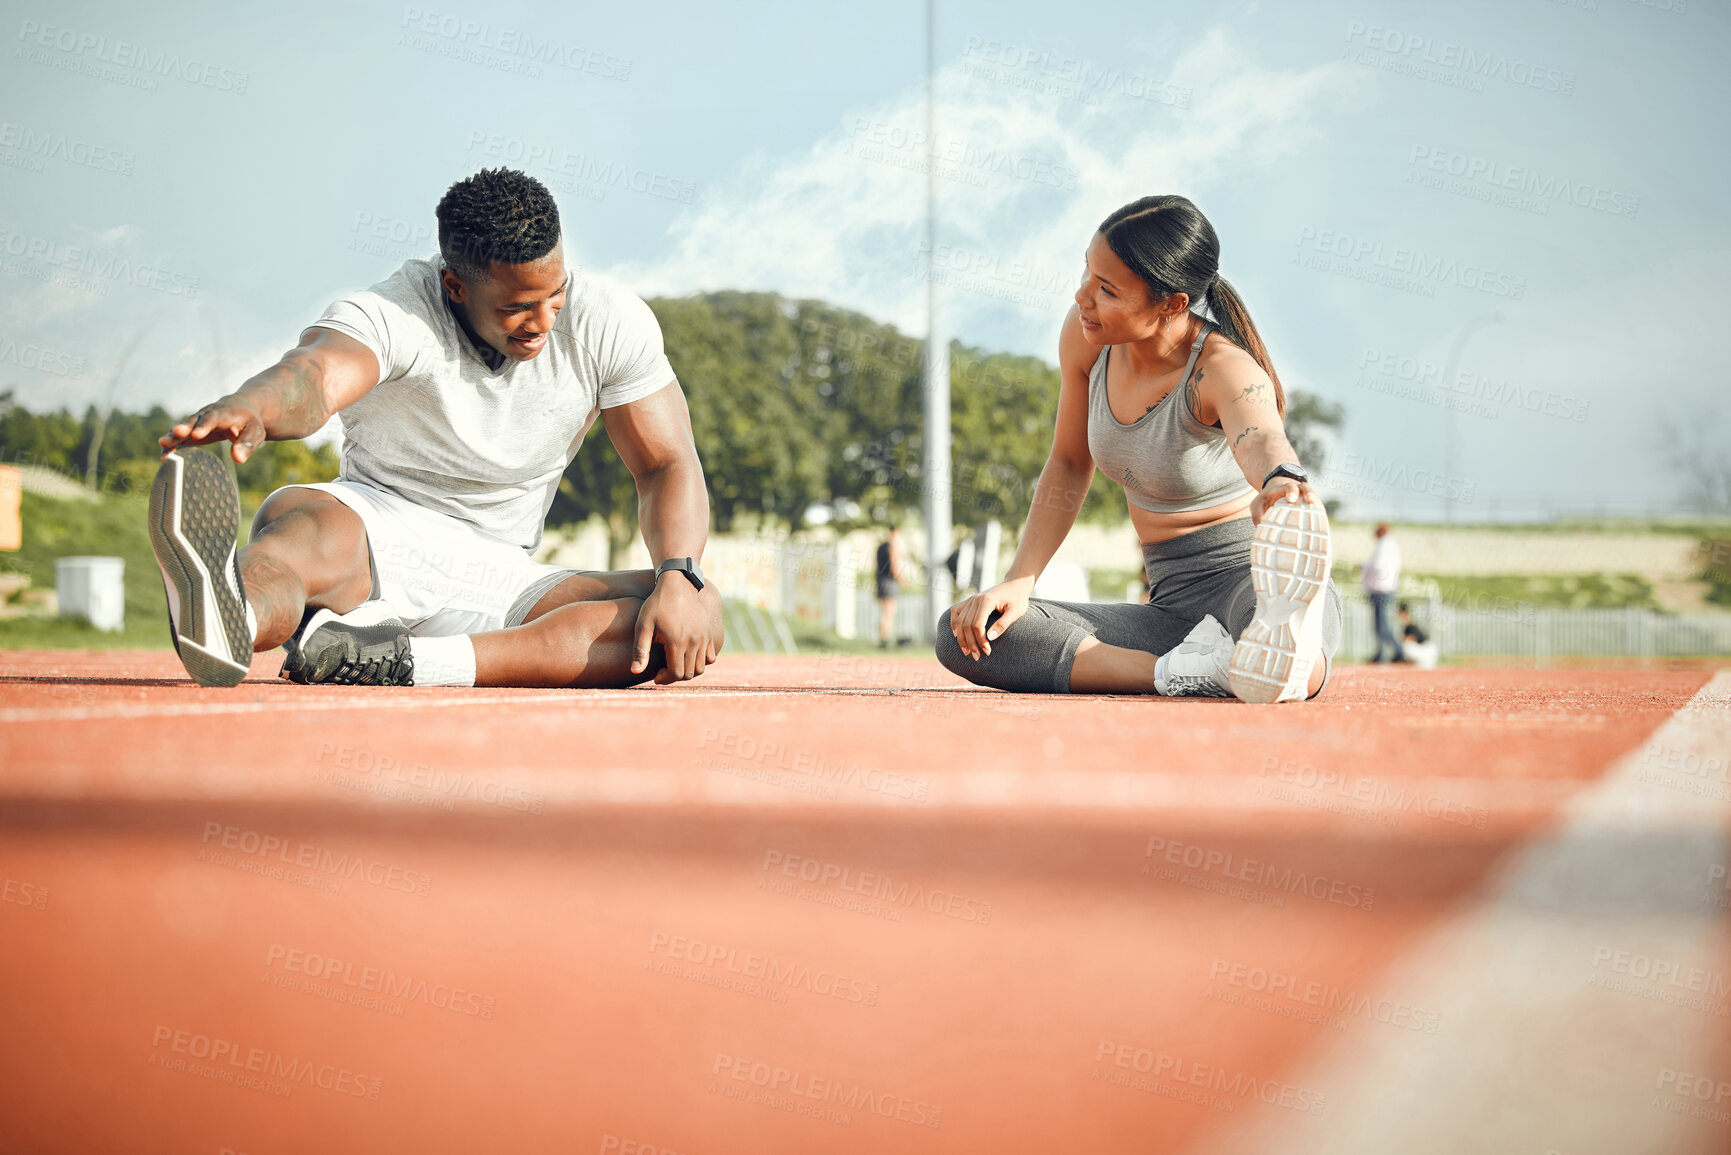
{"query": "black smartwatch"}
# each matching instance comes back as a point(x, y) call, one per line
point(685, 565)
point(1296, 472)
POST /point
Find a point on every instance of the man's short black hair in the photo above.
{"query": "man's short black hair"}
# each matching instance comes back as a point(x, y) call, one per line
point(498, 214)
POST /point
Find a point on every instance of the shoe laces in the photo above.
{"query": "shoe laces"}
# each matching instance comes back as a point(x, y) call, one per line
point(1195, 685)
point(381, 670)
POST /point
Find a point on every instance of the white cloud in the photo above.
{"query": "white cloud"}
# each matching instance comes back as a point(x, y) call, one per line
point(1027, 177)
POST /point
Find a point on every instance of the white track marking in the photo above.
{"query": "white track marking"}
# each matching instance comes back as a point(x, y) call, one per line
point(1531, 1055)
point(640, 700)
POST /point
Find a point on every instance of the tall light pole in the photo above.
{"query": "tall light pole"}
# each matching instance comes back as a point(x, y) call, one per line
point(936, 470)
point(1450, 448)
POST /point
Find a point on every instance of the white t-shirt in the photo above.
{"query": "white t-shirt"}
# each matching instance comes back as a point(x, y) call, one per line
point(484, 445)
point(1382, 568)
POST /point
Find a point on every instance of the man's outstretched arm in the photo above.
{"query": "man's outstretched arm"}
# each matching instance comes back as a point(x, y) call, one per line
point(294, 398)
point(653, 438)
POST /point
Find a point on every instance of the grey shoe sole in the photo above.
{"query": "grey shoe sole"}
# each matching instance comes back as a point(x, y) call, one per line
point(194, 514)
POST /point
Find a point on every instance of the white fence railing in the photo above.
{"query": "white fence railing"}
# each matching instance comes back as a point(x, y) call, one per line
point(910, 619)
point(819, 584)
point(1517, 630)
point(1520, 630)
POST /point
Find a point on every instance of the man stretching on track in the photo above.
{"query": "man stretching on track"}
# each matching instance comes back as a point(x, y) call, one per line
point(1187, 415)
point(464, 392)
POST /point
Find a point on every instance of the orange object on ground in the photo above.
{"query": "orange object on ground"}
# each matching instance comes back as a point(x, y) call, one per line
point(11, 507)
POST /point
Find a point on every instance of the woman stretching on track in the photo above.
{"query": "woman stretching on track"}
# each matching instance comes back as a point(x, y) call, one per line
point(1186, 414)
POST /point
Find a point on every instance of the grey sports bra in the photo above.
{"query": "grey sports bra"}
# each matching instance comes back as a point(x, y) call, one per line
point(1167, 460)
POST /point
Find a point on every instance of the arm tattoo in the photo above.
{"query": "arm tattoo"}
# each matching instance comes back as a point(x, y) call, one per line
point(1252, 392)
point(1247, 432)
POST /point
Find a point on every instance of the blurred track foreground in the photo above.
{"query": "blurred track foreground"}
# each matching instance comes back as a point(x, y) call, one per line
point(850, 905)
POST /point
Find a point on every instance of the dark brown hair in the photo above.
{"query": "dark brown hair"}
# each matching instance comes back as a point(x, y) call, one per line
point(1168, 243)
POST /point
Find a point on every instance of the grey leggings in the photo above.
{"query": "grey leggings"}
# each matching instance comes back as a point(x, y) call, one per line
point(1204, 572)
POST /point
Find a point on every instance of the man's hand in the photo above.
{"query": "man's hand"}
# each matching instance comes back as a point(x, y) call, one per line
point(686, 621)
point(1280, 489)
point(229, 419)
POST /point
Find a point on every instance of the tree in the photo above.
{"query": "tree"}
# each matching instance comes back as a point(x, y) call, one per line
point(1003, 414)
point(597, 484)
point(1307, 415)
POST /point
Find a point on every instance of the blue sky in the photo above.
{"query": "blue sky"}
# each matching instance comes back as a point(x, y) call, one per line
point(1534, 183)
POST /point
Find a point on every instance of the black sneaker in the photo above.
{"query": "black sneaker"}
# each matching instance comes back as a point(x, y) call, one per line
point(368, 646)
point(194, 514)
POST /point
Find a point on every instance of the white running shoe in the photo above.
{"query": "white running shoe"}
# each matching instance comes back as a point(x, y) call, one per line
point(1197, 667)
point(1290, 558)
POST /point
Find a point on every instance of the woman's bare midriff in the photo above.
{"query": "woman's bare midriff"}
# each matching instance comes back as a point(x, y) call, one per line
point(1157, 527)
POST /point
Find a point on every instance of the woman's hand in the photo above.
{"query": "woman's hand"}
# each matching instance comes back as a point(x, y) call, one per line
point(1280, 489)
point(968, 619)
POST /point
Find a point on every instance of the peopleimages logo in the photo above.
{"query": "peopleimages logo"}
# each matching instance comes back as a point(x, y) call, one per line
point(1468, 385)
point(251, 1065)
point(1234, 1086)
point(778, 973)
point(1524, 184)
point(87, 48)
point(467, 36)
point(785, 1088)
point(1476, 64)
point(962, 154)
point(1226, 865)
point(37, 145)
point(95, 266)
point(42, 359)
point(380, 981)
point(877, 887)
point(251, 851)
point(1403, 267)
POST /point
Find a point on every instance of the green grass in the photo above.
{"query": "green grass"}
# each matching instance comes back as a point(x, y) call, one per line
point(1107, 585)
point(110, 527)
point(1549, 591)
point(1695, 526)
point(814, 639)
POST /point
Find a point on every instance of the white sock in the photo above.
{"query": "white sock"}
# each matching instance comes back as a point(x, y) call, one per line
point(444, 661)
point(251, 621)
point(1160, 673)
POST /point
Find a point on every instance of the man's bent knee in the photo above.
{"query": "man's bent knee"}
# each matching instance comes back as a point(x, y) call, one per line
point(321, 540)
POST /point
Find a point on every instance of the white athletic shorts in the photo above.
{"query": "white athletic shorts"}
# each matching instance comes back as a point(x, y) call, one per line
point(443, 576)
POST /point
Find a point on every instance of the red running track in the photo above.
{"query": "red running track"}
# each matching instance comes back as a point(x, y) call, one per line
point(819, 904)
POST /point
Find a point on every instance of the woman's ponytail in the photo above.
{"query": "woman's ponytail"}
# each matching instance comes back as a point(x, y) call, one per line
point(1230, 314)
point(1169, 244)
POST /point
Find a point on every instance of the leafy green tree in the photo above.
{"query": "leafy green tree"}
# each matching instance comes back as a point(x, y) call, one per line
point(46, 439)
point(1307, 415)
point(597, 484)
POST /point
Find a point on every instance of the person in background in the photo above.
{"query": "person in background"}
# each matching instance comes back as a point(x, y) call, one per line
point(1416, 647)
point(892, 572)
point(1380, 581)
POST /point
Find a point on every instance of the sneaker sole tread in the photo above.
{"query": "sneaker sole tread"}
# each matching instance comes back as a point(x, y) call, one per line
point(1290, 557)
point(194, 515)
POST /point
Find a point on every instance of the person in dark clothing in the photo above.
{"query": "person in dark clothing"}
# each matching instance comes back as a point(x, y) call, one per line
point(891, 572)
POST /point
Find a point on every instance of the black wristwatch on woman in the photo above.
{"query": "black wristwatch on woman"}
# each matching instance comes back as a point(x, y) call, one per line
point(1294, 471)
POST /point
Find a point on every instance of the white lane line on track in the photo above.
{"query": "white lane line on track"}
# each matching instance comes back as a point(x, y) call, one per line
point(1551, 1038)
point(630, 699)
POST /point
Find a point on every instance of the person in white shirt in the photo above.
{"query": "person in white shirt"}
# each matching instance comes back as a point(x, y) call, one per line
point(1381, 581)
point(464, 389)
